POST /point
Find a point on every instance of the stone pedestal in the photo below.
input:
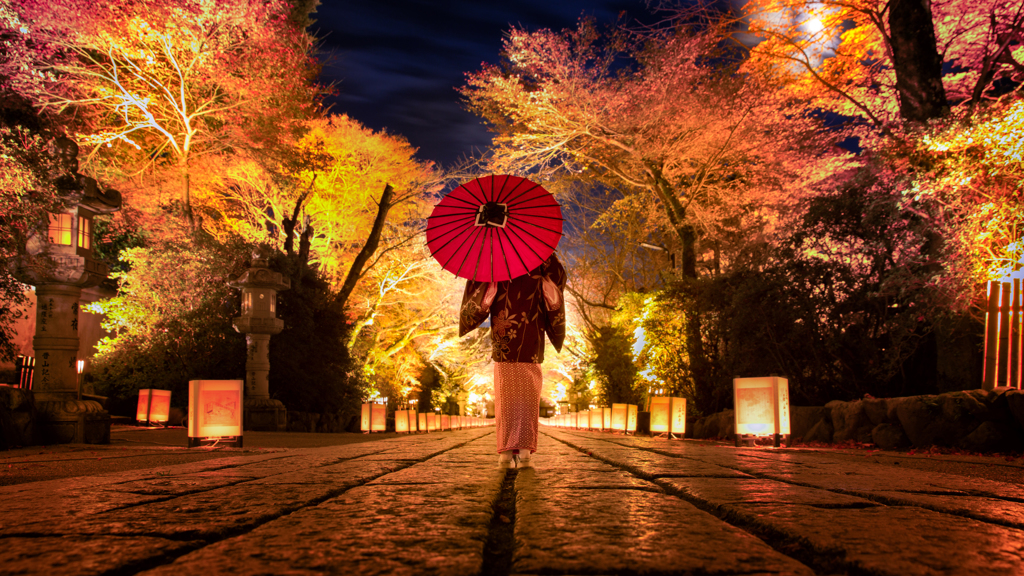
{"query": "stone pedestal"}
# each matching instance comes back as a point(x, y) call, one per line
point(62, 416)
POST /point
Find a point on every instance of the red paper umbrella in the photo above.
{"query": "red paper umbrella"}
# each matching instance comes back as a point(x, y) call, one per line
point(494, 228)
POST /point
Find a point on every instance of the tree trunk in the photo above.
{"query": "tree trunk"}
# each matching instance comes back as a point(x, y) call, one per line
point(916, 60)
point(372, 243)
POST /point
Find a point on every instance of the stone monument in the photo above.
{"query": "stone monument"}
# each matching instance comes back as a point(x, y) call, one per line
point(259, 322)
point(58, 260)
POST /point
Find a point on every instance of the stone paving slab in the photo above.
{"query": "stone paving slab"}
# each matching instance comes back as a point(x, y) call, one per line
point(81, 555)
point(176, 509)
point(413, 521)
point(722, 491)
point(564, 529)
point(843, 517)
point(898, 541)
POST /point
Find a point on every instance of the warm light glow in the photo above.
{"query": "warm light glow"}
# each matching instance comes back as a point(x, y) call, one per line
point(84, 233)
point(154, 405)
point(619, 416)
point(761, 406)
point(378, 417)
point(60, 229)
point(214, 410)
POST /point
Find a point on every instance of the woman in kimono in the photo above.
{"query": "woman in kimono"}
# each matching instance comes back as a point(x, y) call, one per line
point(522, 311)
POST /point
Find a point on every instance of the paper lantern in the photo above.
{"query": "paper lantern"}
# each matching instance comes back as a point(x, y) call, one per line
point(215, 412)
point(668, 416)
point(154, 406)
point(401, 421)
point(431, 422)
point(364, 418)
point(446, 422)
point(619, 413)
point(677, 417)
point(761, 408)
point(422, 426)
point(411, 419)
point(606, 418)
point(631, 418)
point(378, 418)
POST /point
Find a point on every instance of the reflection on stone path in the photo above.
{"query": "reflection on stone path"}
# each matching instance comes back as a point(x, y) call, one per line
point(593, 504)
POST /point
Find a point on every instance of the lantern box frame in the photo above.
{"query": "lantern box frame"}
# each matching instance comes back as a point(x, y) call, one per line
point(631, 416)
point(778, 431)
point(673, 410)
point(224, 433)
point(151, 400)
point(620, 413)
point(378, 418)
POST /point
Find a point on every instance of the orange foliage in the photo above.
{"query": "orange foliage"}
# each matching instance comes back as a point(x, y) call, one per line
point(837, 54)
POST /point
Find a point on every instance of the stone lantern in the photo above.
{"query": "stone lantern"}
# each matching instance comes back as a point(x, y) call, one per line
point(59, 264)
point(259, 322)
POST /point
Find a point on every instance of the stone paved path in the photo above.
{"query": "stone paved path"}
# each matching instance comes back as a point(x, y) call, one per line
point(593, 504)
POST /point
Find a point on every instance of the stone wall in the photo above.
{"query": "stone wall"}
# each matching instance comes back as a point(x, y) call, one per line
point(974, 420)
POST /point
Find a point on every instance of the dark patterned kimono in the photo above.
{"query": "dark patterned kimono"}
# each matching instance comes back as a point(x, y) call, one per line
point(519, 320)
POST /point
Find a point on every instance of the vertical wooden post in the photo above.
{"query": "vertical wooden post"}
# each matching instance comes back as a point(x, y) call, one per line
point(1002, 378)
point(1016, 317)
point(991, 336)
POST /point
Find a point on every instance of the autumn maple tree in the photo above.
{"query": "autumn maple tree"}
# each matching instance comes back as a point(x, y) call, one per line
point(939, 84)
point(170, 79)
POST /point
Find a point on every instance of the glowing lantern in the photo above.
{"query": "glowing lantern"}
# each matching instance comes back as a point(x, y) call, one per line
point(378, 418)
point(431, 422)
point(364, 418)
point(215, 412)
point(606, 418)
point(422, 417)
point(446, 422)
point(631, 418)
point(668, 416)
point(619, 412)
point(660, 406)
point(401, 421)
point(411, 418)
point(761, 408)
point(154, 406)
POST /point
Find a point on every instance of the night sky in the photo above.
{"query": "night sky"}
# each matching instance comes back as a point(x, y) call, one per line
point(397, 63)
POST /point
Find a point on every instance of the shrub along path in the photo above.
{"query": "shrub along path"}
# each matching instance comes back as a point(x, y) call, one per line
point(593, 504)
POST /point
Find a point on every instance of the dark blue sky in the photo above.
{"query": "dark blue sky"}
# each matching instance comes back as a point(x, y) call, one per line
point(397, 63)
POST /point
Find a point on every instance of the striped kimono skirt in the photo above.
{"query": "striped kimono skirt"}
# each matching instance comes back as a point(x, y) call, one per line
point(517, 405)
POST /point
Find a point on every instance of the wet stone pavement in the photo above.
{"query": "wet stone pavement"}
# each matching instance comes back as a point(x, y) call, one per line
point(592, 504)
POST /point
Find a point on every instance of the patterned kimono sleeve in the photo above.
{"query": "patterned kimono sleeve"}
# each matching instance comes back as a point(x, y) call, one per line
point(473, 312)
point(554, 322)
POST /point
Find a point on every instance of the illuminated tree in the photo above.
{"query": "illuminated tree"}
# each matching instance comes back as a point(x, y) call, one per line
point(660, 113)
point(173, 79)
point(652, 116)
point(874, 59)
